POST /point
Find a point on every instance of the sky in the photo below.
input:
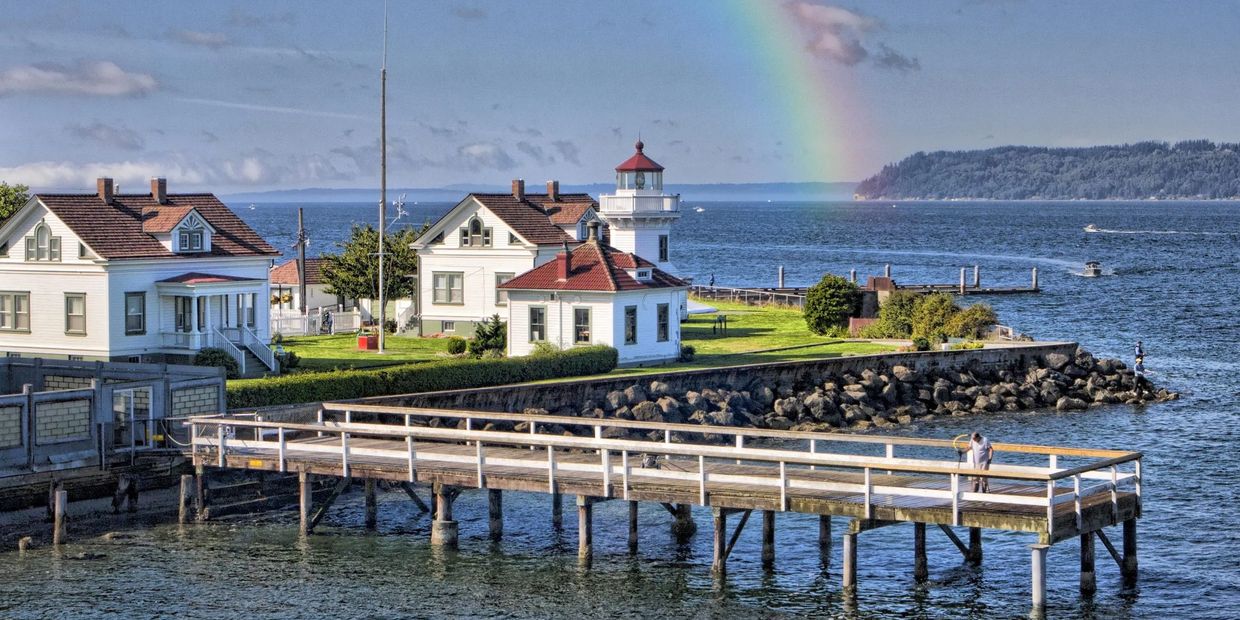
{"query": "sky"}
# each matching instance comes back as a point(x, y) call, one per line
point(248, 96)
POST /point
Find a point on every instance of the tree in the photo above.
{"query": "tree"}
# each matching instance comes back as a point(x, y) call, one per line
point(895, 317)
point(12, 198)
point(830, 303)
point(972, 322)
point(931, 314)
point(490, 337)
point(354, 272)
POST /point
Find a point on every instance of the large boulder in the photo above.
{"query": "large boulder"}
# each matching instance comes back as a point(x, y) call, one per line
point(647, 411)
point(904, 374)
point(635, 394)
point(870, 380)
point(1056, 361)
point(721, 418)
point(615, 399)
point(1067, 403)
point(658, 388)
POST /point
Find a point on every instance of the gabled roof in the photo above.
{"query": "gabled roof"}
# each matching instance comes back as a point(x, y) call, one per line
point(594, 266)
point(119, 230)
point(195, 277)
point(287, 272)
point(567, 213)
point(160, 219)
point(639, 162)
point(533, 218)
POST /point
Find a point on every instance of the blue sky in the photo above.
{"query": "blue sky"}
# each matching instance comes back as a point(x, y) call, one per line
point(229, 96)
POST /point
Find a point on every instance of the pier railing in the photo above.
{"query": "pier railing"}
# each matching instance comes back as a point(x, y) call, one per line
point(789, 458)
point(748, 296)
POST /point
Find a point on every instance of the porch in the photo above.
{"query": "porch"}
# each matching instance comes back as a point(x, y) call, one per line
point(199, 311)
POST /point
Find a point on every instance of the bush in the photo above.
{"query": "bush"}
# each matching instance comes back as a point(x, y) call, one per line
point(965, 346)
point(288, 361)
point(218, 358)
point(931, 314)
point(490, 335)
point(277, 338)
point(895, 317)
point(687, 353)
point(457, 345)
point(972, 322)
point(921, 344)
point(830, 303)
point(389, 326)
point(448, 374)
point(543, 348)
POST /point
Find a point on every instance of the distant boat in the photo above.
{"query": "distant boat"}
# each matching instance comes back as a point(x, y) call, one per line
point(251, 206)
point(1091, 228)
point(698, 210)
point(1093, 269)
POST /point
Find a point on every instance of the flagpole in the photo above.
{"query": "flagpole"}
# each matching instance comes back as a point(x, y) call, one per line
point(383, 179)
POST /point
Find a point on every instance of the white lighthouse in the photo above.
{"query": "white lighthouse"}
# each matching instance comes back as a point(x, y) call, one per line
point(640, 215)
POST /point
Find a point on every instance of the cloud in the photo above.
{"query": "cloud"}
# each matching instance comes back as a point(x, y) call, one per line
point(442, 131)
point(568, 151)
point(88, 77)
point(212, 40)
point(838, 35)
point(535, 152)
point(244, 19)
point(660, 122)
point(237, 105)
point(119, 137)
point(467, 12)
point(528, 131)
point(210, 137)
point(484, 155)
point(615, 131)
point(366, 156)
point(252, 168)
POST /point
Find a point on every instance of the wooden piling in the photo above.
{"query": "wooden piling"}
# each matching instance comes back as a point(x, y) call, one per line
point(824, 533)
point(495, 510)
point(633, 527)
point(557, 511)
point(443, 528)
point(975, 546)
point(1038, 574)
point(719, 566)
point(1129, 569)
point(24, 543)
point(768, 539)
point(306, 498)
point(977, 276)
point(850, 565)
point(585, 530)
point(60, 525)
point(372, 505)
point(1089, 583)
point(921, 568)
point(200, 493)
point(683, 526)
point(187, 492)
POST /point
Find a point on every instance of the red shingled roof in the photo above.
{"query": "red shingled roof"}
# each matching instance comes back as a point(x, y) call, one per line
point(163, 218)
point(535, 217)
point(194, 277)
point(287, 272)
point(595, 267)
point(118, 230)
point(639, 162)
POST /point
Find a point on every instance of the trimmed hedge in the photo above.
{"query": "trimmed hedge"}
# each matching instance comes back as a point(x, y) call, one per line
point(452, 374)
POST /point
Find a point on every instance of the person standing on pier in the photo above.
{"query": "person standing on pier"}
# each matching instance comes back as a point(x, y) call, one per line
point(982, 455)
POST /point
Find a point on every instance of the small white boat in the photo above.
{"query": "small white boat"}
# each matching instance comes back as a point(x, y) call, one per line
point(1091, 228)
point(698, 210)
point(1093, 269)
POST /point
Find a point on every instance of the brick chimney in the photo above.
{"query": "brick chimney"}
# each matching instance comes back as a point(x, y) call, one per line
point(105, 189)
point(593, 227)
point(563, 263)
point(159, 190)
point(553, 191)
point(518, 189)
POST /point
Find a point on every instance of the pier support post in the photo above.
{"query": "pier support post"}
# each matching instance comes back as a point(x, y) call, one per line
point(443, 528)
point(975, 546)
point(24, 543)
point(977, 276)
point(495, 509)
point(850, 565)
point(372, 505)
point(962, 280)
point(921, 569)
point(633, 527)
point(1035, 278)
point(719, 564)
point(887, 270)
point(1038, 573)
point(60, 526)
point(1129, 569)
point(557, 511)
point(683, 526)
point(585, 530)
point(781, 276)
point(852, 275)
point(187, 491)
point(824, 533)
point(306, 501)
point(200, 493)
point(1089, 583)
point(768, 539)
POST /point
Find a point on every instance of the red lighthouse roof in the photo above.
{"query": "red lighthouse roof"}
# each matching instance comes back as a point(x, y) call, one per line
point(639, 162)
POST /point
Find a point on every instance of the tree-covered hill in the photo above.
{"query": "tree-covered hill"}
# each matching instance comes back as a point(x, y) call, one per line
point(1193, 169)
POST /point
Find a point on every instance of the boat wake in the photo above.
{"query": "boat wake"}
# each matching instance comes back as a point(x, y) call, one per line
point(1112, 231)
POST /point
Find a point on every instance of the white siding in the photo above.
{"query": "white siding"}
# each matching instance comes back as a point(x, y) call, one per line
point(607, 322)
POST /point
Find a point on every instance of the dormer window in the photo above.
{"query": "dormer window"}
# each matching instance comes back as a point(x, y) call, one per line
point(474, 235)
point(191, 240)
point(192, 235)
point(643, 274)
point(42, 246)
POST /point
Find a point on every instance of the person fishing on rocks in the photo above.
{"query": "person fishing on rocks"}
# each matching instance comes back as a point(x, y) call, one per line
point(982, 453)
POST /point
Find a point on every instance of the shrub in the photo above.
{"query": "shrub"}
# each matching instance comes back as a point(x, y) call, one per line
point(830, 303)
point(218, 358)
point(965, 346)
point(448, 374)
point(895, 317)
point(288, 361)
point(930, 315)
point(972, 322)
point(456, 345)
point(389, 326)
point(277, 338)
point(542, 348)
point(921, 344)
point(490, 335)
point(687, 353)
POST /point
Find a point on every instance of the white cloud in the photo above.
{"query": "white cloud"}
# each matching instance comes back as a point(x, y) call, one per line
point(484, 155)
point(89, 77)
point(568, 151)
point(213, 40)
point(271, 108)
point(838, 34)
point(117, 136)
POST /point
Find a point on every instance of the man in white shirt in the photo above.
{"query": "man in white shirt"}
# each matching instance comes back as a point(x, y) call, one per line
point(982, 455)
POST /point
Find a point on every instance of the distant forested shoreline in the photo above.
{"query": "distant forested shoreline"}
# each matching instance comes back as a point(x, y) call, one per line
point(1192, 169)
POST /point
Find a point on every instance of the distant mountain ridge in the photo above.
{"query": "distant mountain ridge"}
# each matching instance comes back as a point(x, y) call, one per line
point(706, 192)
point(1192, 169)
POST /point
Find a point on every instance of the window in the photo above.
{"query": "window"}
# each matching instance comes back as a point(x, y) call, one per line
point(662, 248)
point(513, 240)
point(501, 296)
point(42, 246)
point(643, 274)
point(664, 323)
point(12, 354)
point(202, 314)
point(75, 358)
point(538, 324)
point(75, 314)
point(191, 241)
point(4, 248)
point(134, 359)
point(474, 235)
point(449, 326)
point(448, 287)
point(245, 309)
point(183, 309)
point(15, 312)
point(630, 325)
point(581, 325)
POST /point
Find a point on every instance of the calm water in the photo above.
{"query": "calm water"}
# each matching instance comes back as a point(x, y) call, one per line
point(1173, 282)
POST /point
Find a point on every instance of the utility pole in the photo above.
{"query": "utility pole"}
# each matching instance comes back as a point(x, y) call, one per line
point(301, 263)
point(383, 178)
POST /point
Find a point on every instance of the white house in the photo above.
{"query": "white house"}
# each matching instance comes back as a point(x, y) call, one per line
point(286, 293)
point(132, 277)
point(486, 240)
point(596, 294)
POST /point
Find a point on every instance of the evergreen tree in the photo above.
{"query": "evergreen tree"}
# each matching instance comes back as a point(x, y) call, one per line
point(354, 272)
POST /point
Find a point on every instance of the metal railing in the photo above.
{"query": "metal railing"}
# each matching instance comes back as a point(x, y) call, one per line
point(753, 297)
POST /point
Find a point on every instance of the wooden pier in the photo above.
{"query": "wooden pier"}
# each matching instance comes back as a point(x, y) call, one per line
point(873, 481)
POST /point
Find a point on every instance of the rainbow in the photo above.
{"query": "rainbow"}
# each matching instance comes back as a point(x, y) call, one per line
point(817, 101)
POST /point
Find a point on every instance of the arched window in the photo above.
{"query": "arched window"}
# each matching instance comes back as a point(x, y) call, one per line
point(475, 235)
point(42, 246)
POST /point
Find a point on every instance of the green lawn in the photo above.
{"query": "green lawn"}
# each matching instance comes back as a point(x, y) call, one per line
point(340, 351)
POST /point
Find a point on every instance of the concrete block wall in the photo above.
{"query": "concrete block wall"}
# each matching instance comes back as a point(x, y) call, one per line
point(195, 401)
point(62, 421)
point(64, 382)
point(10, 427)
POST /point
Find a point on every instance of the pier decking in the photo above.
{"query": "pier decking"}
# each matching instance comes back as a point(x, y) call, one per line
point(872, 480)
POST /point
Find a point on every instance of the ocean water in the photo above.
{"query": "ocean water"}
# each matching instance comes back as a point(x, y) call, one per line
point(1172, 280)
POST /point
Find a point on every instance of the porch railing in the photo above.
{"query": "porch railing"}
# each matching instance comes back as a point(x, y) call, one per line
point(220, 341)
point(259, 348)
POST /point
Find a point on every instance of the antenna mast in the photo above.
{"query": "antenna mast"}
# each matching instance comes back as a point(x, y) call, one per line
point(383, 178)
